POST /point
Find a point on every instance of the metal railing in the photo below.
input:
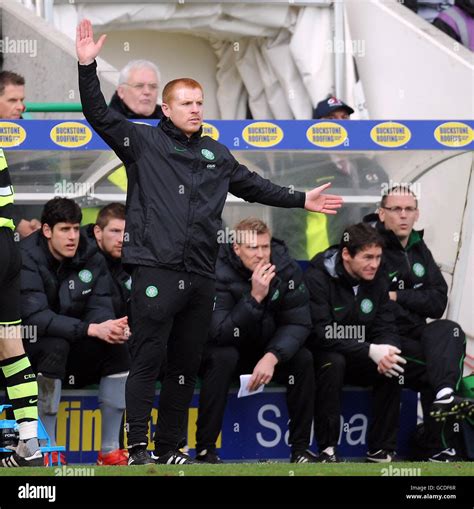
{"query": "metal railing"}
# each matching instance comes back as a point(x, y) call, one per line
point(50, 107)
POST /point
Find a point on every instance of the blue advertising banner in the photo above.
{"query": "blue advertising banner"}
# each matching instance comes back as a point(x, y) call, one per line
point(257, 135)
point(254, 428)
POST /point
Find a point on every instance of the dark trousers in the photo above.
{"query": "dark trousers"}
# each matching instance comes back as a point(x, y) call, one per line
point(220, 365)
point(435, 355)
point(171, 313)
point(333, 370)
point(80, 363)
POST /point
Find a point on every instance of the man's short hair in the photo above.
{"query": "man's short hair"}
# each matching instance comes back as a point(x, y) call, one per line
point(10, 78)
point(138, 64)
point(398, 189)
point(359, 237)
point(109, 212)
point(171, 85)
point(61, 210)
point(254, 225)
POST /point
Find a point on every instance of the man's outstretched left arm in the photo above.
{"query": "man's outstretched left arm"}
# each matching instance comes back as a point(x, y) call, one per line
point(252, 187)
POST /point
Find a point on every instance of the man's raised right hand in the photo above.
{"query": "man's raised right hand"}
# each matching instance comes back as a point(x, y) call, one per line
point(86, 48)
point(261, 278)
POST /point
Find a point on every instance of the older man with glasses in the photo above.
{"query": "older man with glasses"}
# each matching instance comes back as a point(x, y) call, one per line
point(137, 93)
point(434, 351)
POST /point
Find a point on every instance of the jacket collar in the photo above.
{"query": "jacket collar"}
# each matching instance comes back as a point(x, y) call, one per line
point(344, 275)
point(391, 239)
point(416, 236)
point(174, 132)
point(331, 260)
point(118, 105)
point(76, 262)
point(50, 259)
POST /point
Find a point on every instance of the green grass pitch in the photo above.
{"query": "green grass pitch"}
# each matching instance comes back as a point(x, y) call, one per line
point(255, 469)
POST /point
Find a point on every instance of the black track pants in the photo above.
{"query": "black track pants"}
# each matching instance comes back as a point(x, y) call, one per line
point(435, 357)
point(171, 313)
point(333, 370)
point(220, 365)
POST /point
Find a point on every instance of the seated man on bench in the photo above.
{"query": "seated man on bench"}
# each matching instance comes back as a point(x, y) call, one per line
point(354, 340)
point(106, 237)
point(434, 351)
point(65, 295)
point(259, 325)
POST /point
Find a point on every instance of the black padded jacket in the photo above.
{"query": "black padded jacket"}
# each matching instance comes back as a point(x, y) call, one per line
point(62, 298)
point(279, 324)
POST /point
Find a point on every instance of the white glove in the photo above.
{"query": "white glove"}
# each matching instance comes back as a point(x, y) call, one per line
point(379, 352)
point(391, 372)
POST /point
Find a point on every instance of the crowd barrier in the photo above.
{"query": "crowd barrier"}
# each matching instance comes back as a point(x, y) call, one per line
point(249, 135)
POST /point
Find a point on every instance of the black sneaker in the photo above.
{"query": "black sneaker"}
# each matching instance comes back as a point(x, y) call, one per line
point(380, 456)
point(207, 456)
point(452, 406)
point(139, 456)
point(173, 458)
point(445, 456)
point(303, 457)
point(15, 461)
point(324, 457)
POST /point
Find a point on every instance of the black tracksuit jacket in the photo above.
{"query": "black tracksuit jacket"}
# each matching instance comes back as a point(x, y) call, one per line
point(62, 299)
point(413, 273)
point(279, 324)
point(177, 186)
point(334, 301)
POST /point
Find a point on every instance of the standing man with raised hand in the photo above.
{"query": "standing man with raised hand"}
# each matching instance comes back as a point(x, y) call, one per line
point(177, 186)
point(21, 385)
